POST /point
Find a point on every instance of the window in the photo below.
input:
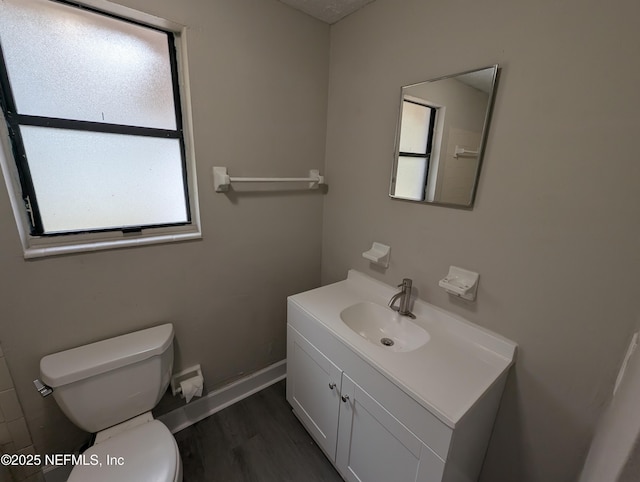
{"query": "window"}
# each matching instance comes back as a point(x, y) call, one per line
point(94, 118)
point(417, 129)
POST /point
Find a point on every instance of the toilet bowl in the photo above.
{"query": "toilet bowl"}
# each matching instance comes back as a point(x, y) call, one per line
point(109, 388)
point(146, 452)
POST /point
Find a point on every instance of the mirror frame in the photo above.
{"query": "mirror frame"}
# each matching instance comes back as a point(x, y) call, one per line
point(481, 148)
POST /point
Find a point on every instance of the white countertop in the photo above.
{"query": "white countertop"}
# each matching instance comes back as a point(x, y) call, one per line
point(447, 375)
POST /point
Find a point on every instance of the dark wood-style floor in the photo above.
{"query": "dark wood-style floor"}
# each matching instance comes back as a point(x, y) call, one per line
point(255, 440)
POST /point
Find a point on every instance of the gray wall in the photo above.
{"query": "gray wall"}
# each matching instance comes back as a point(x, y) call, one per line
point(555, 230)
point(259, 74)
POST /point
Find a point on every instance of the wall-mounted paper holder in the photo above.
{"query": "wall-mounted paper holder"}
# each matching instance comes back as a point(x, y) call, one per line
point(378, 254)
point(461, 282)
point(177, 378)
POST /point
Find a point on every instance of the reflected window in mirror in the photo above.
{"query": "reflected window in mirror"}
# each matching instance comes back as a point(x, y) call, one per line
point(419, 144)
point(437, 156)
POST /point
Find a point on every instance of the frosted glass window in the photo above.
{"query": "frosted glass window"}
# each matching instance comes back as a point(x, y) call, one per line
point(93, 109)
point(92, 180)
point(70, 63)
point(416, 127)
point(410, 178)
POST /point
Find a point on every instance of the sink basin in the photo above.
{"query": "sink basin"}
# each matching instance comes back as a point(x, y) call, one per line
point(384, 327)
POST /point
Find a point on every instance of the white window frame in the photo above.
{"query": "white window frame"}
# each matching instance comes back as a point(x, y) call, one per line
point(42, 246)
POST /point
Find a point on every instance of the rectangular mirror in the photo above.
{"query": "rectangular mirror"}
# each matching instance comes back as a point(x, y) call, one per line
point(440, 138)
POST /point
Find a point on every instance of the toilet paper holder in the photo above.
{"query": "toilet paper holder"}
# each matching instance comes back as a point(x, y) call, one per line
point(180, 377)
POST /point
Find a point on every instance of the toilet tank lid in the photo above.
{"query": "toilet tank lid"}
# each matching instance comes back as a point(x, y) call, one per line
point(89, 360)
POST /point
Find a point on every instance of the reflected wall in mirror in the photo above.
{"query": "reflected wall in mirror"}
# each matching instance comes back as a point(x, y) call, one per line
point(442, 130)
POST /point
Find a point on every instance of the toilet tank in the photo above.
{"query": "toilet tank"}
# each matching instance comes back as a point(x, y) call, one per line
point(104, 383)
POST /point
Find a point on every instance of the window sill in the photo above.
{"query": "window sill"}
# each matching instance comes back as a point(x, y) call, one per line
point(43, 250)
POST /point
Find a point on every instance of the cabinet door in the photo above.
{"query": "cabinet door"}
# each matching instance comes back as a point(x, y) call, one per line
point(313, 390)
point(373, 446)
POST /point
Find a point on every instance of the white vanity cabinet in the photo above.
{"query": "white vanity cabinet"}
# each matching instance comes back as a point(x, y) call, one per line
point(313, 390)
point(374, 446)
point(362, 438)
point(374, 412)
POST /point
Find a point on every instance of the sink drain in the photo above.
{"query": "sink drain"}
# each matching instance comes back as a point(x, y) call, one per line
point(386, 341)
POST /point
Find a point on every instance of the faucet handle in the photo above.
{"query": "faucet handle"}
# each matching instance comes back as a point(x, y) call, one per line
point(406, 283)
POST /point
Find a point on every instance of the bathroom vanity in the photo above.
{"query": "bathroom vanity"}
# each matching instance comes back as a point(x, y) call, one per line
point(389, 398)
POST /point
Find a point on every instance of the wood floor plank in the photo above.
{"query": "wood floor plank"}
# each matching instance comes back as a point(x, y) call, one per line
point(255, 440)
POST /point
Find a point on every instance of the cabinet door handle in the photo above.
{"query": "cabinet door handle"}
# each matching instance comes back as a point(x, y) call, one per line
point(345, 398)
point(332, 385)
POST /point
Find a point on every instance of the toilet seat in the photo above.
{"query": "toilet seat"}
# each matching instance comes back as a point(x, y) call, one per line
point(147, 452)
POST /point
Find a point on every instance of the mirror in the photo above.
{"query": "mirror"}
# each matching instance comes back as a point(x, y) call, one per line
point(442, 130)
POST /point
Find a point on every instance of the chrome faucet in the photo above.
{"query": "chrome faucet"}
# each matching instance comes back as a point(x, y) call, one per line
point(405, 298)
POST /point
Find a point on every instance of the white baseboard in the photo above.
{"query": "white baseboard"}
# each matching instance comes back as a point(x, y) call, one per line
point(201, 408)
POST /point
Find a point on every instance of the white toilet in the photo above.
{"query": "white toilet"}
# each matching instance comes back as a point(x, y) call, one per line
point(110, 387)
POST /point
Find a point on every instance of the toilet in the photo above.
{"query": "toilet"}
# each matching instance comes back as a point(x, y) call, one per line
point(109, 388)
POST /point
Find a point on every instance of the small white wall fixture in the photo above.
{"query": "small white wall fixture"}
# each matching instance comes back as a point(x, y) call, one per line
point(461, 282)
point(378, 254)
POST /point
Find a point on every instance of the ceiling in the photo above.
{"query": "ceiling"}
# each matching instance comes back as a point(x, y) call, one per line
point(329, 11)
